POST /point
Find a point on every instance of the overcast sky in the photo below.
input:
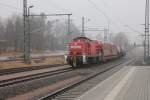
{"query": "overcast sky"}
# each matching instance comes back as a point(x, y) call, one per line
point(100, 12)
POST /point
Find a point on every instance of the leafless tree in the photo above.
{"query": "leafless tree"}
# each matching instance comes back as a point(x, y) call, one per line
point(45, 34)
point(121, 40)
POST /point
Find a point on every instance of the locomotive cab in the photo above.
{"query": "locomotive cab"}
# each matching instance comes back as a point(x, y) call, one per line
point(78, 51)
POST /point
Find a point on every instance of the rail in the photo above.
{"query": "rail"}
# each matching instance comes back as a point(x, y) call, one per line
point(51, 95)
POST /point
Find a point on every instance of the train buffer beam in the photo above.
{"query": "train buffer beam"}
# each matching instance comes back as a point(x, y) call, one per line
point(129, 83)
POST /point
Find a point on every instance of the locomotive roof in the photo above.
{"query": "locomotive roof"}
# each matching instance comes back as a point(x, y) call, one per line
point(82, 38)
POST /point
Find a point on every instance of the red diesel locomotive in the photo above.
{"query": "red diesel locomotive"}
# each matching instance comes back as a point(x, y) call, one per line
point(83, 51)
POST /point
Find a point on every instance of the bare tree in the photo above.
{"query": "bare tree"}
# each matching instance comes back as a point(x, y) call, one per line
point(18, 34)
point(2, 36)
point(10, 34)
point(121, 40)
point(38, 25)
point(45, 35)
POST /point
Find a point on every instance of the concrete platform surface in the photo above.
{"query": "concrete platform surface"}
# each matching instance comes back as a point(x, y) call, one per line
point(130, 83)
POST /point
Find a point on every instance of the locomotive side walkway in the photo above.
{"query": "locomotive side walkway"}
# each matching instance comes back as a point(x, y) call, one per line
point(130, 83)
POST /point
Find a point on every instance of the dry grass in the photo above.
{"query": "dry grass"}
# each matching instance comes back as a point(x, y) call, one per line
point(8, 53)
point(34, 62)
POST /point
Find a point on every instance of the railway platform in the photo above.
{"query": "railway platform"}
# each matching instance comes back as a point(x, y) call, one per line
point(130, 83)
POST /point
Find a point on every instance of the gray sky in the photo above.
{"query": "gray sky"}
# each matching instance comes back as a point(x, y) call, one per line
point(117, 12)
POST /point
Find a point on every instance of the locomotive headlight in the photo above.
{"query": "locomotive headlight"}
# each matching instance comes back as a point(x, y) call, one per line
point(84, 59)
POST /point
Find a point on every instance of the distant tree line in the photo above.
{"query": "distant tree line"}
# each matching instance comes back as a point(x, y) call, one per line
point(45, 34)
point(121, 40)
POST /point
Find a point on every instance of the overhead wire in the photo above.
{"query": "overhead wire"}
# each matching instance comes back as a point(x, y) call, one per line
point(106, 5)
point(109, 20)
point(64, 9)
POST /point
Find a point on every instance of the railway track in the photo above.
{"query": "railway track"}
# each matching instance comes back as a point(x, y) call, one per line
point(24, 69)
point(37, 80)
point(63, 94)
point(18, 58)
point(16, 78)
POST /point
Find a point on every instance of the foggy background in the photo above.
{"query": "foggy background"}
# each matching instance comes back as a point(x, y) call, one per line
point(125, 16)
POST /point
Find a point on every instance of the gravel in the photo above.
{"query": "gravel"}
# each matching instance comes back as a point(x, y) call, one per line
point(21, 88)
